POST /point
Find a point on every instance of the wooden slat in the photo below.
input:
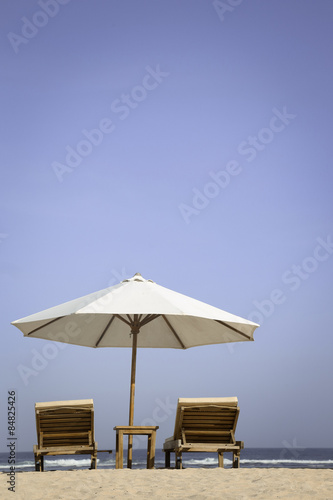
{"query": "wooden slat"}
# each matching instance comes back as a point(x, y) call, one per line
point(221, 418)
point(202, 420)
point(201, 432)
point(71, 428)
point(70, 450)
point(207, 437)
point(208, 448)
point(67, 434)
point(67, 416)
point(54, 423)
point(208, 413)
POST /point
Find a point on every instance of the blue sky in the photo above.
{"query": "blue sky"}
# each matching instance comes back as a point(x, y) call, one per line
point(193, 146)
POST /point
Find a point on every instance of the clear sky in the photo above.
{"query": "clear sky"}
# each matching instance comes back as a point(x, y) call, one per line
point(191, 142)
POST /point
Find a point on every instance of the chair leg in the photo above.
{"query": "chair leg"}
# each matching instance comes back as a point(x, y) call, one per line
point(178, 460)
point(220, 456)
point(167, 459)
point(235, 460)
point(38, 457)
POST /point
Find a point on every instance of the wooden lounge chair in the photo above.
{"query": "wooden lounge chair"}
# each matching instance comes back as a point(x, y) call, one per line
point(65, 428)
point(204, 425)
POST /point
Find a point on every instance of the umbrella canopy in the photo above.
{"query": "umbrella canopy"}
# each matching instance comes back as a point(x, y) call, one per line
point(136, 313)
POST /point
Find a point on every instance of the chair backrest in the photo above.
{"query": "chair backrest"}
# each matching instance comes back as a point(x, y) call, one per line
point(206, 420)
point(65, 423)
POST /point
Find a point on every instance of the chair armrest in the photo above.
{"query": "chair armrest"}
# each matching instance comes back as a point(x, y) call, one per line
point(240, 444)
point(171, 444)
point(169, 439)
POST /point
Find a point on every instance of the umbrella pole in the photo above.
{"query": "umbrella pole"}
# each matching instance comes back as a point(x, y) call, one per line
point(132, 394)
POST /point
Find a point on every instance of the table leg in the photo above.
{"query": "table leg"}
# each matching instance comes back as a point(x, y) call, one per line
point(130, 451)
point(152, 449)
point(148, 451)
point(119, 449)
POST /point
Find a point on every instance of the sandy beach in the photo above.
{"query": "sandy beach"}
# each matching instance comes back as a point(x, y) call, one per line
point(170, 483)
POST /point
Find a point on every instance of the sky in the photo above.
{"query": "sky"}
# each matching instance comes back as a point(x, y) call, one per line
point(189, 141)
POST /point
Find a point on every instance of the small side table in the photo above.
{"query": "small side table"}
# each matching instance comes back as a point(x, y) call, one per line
point(132, 430)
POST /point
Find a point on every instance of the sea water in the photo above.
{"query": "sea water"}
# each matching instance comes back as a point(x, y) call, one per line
point(305, 458)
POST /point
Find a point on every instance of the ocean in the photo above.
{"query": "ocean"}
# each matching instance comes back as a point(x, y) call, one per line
point(308, 458)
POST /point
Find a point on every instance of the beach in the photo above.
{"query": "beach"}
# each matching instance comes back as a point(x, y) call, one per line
point(171, 484)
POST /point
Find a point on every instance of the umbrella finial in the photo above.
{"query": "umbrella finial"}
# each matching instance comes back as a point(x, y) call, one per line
point(136, 277)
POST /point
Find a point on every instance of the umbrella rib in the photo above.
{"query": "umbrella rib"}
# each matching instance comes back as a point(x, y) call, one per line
point(145, 320)
point(104, 331)
point(149, 318)
point(122, 319)
point(234, 329)
point(46, 324)
point(173, 331)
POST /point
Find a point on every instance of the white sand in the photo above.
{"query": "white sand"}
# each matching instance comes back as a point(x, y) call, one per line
point(170, 483)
